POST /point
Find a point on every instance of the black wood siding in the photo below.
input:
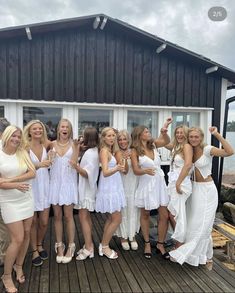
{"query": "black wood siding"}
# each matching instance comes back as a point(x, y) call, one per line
point(102, 67)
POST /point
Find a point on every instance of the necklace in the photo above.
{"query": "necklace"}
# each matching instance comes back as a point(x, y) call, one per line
point(63, 144)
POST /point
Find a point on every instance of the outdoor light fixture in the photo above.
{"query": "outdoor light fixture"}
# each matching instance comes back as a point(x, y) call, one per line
point(28, 33)
point(96, 22)
point(161, 48)
point(211, 69)
point(103, 23)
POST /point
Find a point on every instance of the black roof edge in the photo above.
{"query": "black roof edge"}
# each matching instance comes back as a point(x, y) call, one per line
point(222, 70)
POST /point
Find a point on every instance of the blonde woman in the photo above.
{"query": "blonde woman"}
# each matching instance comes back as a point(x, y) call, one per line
point(180, 186)
point(151, 192)
point(36, 142)
point(16, 202)
point(110, 197)
point(202, 205)
point(63, 191)
point(130, 224)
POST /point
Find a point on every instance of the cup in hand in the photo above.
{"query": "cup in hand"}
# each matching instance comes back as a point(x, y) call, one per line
point(51, 155)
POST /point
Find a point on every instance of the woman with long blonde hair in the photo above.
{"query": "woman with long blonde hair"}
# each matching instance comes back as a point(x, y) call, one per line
point(179, 186)
point(36, 142)
point(16, 202)
point(63, 192)
point(110, 197)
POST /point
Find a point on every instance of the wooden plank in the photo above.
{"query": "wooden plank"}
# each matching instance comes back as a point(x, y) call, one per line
point(146, 79)
point(180, 84)
point(128, 72)
point(188, 86)
point(155, 89)
point(69, 67)
point(171, 83)
point(163, 80)
point(3, 71)
point(25, 70)
point(12, 71)
point(90, 66)
point(100, 67)
point(195, 87)
point(203, 89)
point(119, 71)
point(138, 74)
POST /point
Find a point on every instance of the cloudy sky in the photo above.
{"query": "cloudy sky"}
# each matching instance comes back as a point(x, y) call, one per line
point(184, 22)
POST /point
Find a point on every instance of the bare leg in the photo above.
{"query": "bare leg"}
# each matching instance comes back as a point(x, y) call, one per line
point(33, 236)
point(70, 226)
point(144, 223)
point(42, 227)
point(58, 227)
point(162, 228)
point(86, 224)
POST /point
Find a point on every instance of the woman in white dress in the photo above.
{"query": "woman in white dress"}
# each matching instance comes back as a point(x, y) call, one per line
point(36, 142)
point(179, 186)
point(130, 224)
point(151, 192)
point(202, 205)
point(16, 202)
point(110, 197)
point(88, 170)
point(63, 191)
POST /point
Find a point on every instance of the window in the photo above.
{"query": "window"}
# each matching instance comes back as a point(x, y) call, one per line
point(186, 118)
point(146, 118)
point(2, 111)
point(49, 116)
point(97, 118)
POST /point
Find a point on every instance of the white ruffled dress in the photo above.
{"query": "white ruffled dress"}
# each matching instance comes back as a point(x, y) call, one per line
point(151, 192)
point(63, 181)
point(87, 187)
point(110, 196)
point(40, 184)
point(177, 204)
point(201, 209)
point(130, 224)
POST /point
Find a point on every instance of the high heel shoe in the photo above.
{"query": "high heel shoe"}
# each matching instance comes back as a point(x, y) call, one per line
point(12, 289)
point(59, 258)
point(84, 254)
point(147, 255)
point(112, 255)
point(20, 278)
point(165, 255)
point(71, 249)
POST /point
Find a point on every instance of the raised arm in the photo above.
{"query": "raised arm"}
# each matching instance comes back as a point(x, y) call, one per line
point(188, 157)
point(227, 149)
point(163, 138)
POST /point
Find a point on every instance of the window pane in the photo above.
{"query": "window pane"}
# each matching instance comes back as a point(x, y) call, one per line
point(146, 118)
point(2, 111)
point(49, 116)
point(189, 119)
point(97, 118)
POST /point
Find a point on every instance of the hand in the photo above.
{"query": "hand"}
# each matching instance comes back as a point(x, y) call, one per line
point(167, 122)
point(213, 130)
point(74, 164)
point(121, 168)
point(45, 164)
point(178, 189)
point(150, 171)
point(164, 130)
point(23, 187)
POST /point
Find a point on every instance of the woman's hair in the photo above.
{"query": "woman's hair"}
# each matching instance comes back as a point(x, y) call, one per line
point(70, 128)
point(136, 141)
point(178, 147)
point(103, 134)
point(124, 133)
point(90, 139)
point(21, 153)
point(200, 131)
point(27, 136)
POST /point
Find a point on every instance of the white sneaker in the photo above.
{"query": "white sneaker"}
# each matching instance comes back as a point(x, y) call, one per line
point(125, 245)
point(134, 245)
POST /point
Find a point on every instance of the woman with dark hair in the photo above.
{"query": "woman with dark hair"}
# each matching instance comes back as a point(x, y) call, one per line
point(63, 190)
point(198, 247)
point(88, 170)
point(151, 192)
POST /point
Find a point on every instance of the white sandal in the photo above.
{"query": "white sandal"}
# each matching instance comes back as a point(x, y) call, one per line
point(59, 258)
point(84, 253)
point(113, 254)
point(71, 249)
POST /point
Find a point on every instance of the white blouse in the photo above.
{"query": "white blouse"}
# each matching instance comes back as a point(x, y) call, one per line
point(204, 163)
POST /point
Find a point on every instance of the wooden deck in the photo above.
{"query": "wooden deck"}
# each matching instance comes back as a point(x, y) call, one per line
point(131, 272)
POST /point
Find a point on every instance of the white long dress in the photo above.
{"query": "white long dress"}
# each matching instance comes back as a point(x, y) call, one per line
point(63, 181)
point(15, 205)
point(110, 196)
point(130, 224)
point(87, 187)
point(151, 192)
point(177, 204)
point(201, 209)
point(40, 184)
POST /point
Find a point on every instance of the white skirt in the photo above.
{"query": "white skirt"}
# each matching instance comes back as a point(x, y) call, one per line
point(201, 209)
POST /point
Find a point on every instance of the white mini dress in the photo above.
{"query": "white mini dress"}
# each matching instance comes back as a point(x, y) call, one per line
point(40, 184)
point(177, 204)
point(110, 196)
point(63, 188)
point(201, 209)
point(151, 192)
point(87, 187)
point(15, 205)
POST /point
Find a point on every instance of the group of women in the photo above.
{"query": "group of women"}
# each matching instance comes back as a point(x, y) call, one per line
point(37, 173)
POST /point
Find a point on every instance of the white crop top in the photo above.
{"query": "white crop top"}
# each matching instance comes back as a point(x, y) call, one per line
point(204, 163)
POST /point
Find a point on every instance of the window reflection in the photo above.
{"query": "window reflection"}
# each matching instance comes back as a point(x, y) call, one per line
point(49, 116)
point(97, 118)
point(189, 119)
point(146, 118)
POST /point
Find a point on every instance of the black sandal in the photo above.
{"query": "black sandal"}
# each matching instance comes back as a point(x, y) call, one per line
point(43, 253)
point(165, 255)
point(37, 261)
point(147, 255)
